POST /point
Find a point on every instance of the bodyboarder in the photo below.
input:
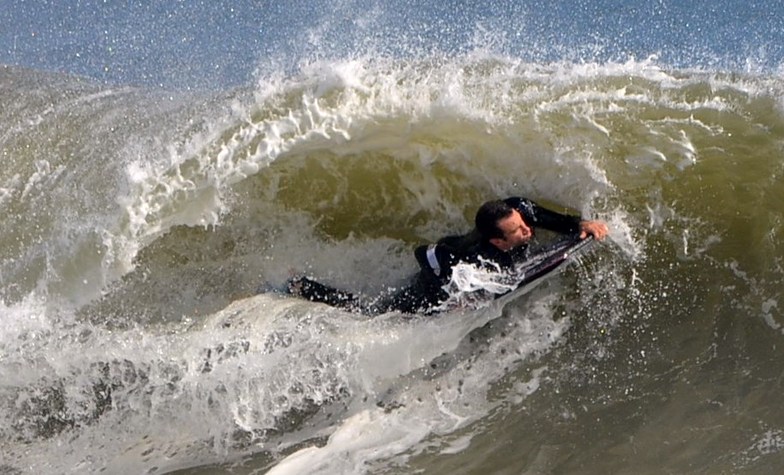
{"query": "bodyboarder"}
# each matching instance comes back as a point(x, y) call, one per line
point(504, 231)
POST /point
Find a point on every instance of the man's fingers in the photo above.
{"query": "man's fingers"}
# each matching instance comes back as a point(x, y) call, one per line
point(597, 229)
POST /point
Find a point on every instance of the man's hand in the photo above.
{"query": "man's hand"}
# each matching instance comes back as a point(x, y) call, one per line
point(597, 229)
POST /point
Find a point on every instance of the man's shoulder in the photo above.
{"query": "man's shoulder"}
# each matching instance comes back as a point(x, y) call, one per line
point(516, 201)
point(522, 204)
point(513, 200)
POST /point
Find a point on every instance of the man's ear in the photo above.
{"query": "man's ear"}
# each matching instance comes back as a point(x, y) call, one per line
point(499, 243)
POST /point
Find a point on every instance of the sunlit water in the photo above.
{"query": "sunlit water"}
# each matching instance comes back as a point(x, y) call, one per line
point(162, 164)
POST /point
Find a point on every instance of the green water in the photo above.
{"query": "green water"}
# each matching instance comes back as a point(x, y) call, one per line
point(130, 212)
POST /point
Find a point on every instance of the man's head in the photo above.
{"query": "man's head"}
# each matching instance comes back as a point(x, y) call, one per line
point(502, 225)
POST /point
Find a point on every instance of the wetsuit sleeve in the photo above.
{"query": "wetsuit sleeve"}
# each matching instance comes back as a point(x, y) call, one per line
point(538, 216)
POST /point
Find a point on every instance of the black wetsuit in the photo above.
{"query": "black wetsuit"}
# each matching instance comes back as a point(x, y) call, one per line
point(426, 291)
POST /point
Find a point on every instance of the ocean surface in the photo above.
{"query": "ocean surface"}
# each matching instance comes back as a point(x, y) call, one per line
point(167, 165)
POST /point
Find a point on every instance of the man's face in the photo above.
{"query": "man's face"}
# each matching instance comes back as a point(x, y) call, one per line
point(516, 232)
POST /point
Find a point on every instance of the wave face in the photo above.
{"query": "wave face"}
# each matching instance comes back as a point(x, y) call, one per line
point(142, 225)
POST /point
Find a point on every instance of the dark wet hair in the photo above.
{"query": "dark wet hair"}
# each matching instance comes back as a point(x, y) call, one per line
point(488, 216)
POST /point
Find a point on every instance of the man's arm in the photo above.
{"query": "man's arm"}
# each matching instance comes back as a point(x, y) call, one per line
point(539, 216)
